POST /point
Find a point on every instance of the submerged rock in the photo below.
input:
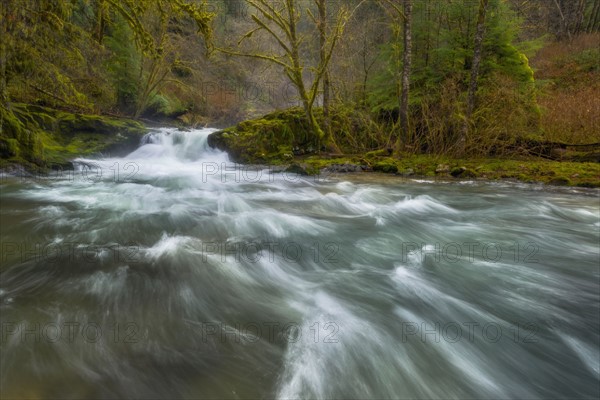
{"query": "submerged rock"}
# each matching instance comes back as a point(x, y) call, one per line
point(345, 168)
point(300, 169)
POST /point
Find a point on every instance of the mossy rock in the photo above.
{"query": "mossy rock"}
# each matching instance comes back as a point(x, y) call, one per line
point(274, 138)
point(43, 136)
point(457, 171)
point(463, 172)
point(297, 169)
point(9, 148)
point(76, 123)
point(387, 166)
point(559, 181)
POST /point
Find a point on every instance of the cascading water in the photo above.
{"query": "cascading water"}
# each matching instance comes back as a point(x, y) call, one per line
point(173, 273)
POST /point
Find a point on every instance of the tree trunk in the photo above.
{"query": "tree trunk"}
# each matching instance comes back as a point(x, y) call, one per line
point(579, 17)
point(296, 73)
point(323, 28)
point(5, 12)
point(7, 21)
point(564, 23)
point(477, 52)
point(590, 22)
point(406, 67)
point(100, 21)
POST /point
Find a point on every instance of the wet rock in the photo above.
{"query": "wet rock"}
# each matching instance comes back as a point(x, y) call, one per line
point(345, 168)
point(469, 174)
point(560, 181)
point(300, 169)
point(276, 169)
point(463, 172)
point(456, 172)
point(442, 169)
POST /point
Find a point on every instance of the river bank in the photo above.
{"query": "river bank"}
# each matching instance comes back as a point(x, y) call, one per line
point(283, 139)
point(39, 139)
point(553, 173)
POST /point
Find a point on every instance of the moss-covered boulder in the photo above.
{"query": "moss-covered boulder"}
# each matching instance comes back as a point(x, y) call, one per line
point(463, 172)
point(35, 136)
point(388, 166)
point(274, 138)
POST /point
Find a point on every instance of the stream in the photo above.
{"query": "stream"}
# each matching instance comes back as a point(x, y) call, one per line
point(174, 273)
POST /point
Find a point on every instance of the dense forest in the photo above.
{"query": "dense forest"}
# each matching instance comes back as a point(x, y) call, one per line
point(460, 77)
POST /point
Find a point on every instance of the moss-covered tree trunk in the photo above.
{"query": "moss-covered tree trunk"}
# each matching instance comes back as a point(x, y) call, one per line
point(406, 69)
point(476, 63)
point(3, 56)
point(281, 24)
point(323, 27)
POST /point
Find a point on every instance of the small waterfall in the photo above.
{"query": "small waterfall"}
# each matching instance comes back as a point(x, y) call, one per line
point(188, 146)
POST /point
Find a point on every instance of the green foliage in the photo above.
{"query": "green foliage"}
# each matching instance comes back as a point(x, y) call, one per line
point(588, 60)
point(123, 66)
point(146, 58)
point(443, 39)
point(40, 47)
point(95, 55)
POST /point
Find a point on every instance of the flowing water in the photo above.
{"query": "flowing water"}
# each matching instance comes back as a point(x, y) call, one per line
point(173, 273)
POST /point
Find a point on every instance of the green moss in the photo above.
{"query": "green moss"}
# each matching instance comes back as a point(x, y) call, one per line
point(13, 147)
point(377, 153)
point(524, 170)
point(42, 136)
point(387, 165)
point(283, 137)
point(463, 172)
point(272, 138)
point(318, 163)
point(12, 127)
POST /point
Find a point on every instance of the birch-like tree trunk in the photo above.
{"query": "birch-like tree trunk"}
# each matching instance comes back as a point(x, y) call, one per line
point(477, 53)
point(406, 69)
